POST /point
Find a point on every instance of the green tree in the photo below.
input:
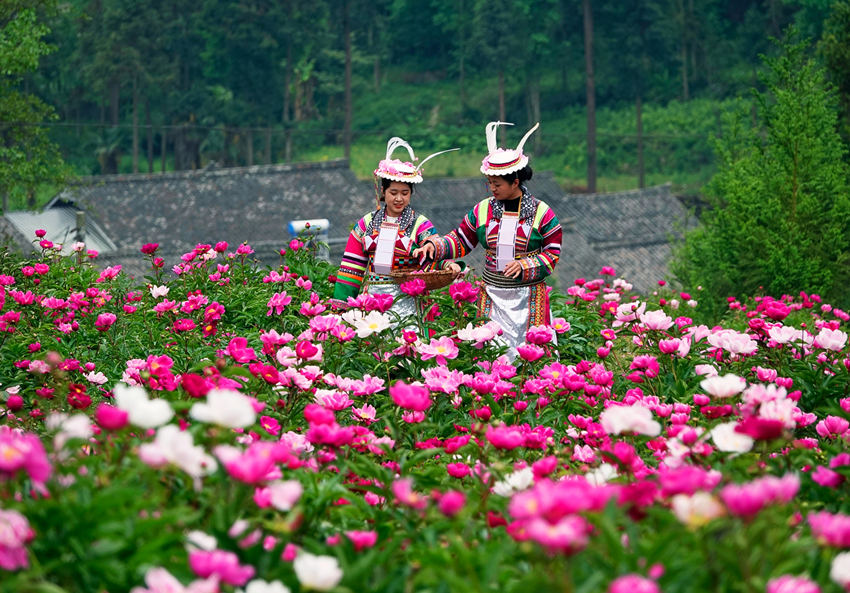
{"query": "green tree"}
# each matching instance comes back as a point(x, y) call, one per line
point(27, 156)
point(780, 216)
point(835, 48)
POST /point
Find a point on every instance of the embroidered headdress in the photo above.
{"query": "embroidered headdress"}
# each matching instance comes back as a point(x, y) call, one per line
point(501, 161)
point(404, 171)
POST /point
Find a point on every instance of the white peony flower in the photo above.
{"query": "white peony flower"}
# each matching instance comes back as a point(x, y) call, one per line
point(159, 291)
point(840, 570)
point(726, 439)
point(172, 445)
point(285, 493)
point(601, 474)
point(199, 540)
point(225, 407)
point(514, 482)
point(374, 322)
point(77, 426)
point(317, 572)
point(723, 386)
point(698, 509)
point(636, 418)
point(831, 339)
point(782, 334)
point(261, 586)
point(97, 378)
point(141, 411)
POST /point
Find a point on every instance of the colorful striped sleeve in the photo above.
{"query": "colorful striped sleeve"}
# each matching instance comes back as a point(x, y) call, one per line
point(355, 263)
point(422, 229)
point(541, 265)
point(463, 239)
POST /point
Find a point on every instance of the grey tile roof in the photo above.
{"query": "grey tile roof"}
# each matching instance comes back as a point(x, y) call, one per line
point(245, 204)
point(60, 224)
point(630, 231)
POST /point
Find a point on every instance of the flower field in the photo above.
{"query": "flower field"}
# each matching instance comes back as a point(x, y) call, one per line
point(223, 426)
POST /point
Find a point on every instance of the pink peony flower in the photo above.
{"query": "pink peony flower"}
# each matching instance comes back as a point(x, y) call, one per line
point(441, 349)
point(566, 535)
point(632, 583)
point(832, 427)
point(104, 321)
point(413, 287)
point(451, 502)
point(747, 500)
point(110, 417)
point(277, 302)
point(791, 584)
point(222, 564)
point(831, 529)
point(240, 352)
point(184, 325)
point(15, 533)
point(539, 335)
point(530, 352)
point(257, 464)
point(458, 470)
point(281, 494)
point(362, 539)
point(761, 429)
point(22, 451)
point(826, 477)
point(777, 310)
point(463, 292)
point(404, 494)
point(410, 397)
point(505, 437)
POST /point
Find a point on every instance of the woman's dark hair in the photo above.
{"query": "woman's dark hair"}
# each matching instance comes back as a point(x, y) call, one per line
point(523, 175)
point(385, 183)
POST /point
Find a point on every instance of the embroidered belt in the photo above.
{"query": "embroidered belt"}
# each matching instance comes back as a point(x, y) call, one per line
point(491, 254)
point(373, 279)
point(502, 281)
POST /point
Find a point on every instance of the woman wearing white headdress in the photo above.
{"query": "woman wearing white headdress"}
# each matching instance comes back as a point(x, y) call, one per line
point(383, 241)
point(522, 239)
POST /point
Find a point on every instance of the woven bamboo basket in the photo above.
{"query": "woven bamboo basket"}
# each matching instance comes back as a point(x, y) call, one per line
point(434, 279)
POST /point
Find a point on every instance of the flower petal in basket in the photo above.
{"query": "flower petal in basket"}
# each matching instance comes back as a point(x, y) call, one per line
point(434, 279)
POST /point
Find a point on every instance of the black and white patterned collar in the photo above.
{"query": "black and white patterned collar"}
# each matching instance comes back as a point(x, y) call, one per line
point(405, 219)
point(527, 208)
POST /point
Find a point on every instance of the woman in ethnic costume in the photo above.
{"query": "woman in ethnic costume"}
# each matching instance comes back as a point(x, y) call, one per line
point(383, 241)
point(522, 239)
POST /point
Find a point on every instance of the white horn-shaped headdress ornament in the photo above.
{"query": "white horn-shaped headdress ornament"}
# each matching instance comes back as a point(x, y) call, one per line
point(404, 171)
point(490, 132)
point(502, 161)
point(396, 142)
point(431, 156)
point(396, 170)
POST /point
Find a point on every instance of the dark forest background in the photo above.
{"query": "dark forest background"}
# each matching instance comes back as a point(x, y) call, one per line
point(628, 93)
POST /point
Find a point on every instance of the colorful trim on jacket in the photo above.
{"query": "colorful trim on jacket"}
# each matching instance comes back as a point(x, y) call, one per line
point(359, 251)
point(538, 241)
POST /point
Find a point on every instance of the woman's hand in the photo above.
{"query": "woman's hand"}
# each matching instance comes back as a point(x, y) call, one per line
point(424, 253)
point(454, 268)
point(513, 269)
